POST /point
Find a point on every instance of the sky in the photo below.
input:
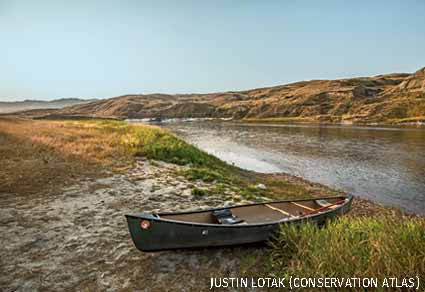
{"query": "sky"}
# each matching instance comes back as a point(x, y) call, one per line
point(99, 49)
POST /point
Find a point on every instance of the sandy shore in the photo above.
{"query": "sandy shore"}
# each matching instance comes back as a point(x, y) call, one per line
point(77, 238)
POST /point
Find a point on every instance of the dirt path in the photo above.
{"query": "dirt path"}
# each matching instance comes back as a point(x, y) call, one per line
point(78, 239)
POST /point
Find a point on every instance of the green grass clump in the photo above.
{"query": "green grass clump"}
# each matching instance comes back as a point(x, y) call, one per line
point(199, 193)
point(227, 178)
point(156, 143)
point(361, 247)
point(204, 174)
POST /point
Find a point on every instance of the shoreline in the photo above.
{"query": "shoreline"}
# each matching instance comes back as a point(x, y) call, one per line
point(72, 234)
point(415, 121)
point(289, 180)
point(41, 114)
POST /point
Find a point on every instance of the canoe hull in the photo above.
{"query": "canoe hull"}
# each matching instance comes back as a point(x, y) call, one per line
point(165, 235)
point(169, 234)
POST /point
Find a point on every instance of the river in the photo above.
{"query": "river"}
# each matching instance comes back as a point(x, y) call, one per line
point(386, 165)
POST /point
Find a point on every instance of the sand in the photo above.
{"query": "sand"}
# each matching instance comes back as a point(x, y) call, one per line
point(77, 238)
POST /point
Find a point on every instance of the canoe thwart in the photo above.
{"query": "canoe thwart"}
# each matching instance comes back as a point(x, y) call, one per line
point(281, 211)
point(303, 206)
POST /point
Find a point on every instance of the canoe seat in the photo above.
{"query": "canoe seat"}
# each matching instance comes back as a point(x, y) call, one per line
point(225, 216)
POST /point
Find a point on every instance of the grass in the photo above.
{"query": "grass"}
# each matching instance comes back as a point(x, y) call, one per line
point(49, 154)
point(39, 157)
point(351, 247)
point(230, 179)
point(199, 193)
point(159, 144)
point(106, 142)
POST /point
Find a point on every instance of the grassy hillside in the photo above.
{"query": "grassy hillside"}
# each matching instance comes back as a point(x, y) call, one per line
point(391, 98)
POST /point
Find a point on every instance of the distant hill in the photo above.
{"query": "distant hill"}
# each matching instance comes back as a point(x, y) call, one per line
point(15, 106)
point(384, 98)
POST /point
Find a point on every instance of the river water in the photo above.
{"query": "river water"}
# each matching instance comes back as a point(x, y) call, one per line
point(386, 165)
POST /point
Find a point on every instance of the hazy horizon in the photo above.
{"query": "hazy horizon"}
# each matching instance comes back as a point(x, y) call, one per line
point(102, 49)
point(45, 100)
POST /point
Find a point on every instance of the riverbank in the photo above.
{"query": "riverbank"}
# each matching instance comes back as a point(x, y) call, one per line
point(52, 115)
point(63, 150)
point(67, 184)
point(398, 122)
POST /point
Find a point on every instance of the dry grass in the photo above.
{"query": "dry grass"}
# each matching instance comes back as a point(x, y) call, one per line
point(86, 140)
point(40, 156)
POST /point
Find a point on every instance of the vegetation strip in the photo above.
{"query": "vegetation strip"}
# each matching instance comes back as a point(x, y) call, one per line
point(351, 247)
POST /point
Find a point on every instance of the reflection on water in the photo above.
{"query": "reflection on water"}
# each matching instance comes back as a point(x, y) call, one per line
point(386, 165)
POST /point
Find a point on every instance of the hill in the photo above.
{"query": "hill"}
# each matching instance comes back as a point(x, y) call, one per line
point(15, 106)
point(391, 98)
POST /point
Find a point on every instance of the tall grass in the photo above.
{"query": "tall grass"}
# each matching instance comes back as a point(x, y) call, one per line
point(360, 247)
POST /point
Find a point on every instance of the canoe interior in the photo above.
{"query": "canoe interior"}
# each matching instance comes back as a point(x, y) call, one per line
point(263, 213)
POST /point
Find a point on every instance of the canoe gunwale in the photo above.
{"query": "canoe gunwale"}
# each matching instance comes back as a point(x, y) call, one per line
point(154, 216)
